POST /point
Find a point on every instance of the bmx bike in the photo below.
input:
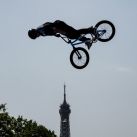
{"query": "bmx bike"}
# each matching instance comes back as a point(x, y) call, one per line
point(79, 57)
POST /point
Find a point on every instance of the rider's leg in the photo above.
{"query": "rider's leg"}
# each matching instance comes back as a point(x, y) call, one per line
point(83, 39)
point(64, 29)
point(86, 30)
point(70, 32)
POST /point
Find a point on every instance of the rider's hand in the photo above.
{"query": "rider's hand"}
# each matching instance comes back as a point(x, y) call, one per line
point(57, 35)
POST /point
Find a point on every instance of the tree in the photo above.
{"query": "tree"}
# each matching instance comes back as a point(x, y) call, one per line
point(20, 127)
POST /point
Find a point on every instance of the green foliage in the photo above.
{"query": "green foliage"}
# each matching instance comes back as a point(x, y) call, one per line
point(20, 127)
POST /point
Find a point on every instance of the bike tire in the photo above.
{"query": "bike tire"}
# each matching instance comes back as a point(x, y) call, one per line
point(83, 61)
point(110, 26)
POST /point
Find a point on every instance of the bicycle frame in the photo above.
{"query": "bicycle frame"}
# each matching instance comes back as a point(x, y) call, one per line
point(74, 42)
point(94, 38)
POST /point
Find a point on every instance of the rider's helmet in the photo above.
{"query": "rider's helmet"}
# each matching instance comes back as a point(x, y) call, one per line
point(33, 34)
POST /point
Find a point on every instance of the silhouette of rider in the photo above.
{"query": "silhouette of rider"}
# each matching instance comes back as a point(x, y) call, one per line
point(60, 27)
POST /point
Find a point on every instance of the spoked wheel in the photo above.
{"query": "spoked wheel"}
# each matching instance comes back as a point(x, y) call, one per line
point(105, 30)
point(79, 58)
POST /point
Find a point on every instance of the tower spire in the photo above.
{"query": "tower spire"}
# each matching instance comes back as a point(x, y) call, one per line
point(64, 93)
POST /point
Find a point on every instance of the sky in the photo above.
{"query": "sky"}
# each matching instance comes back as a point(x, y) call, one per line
point(102, 96)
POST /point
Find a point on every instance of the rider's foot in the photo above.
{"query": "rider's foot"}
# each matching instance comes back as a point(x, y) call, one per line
point(89, 43)
point(91, 29)
point(94, 32)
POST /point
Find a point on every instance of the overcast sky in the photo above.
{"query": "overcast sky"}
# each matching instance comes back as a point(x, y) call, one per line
point(103, 96)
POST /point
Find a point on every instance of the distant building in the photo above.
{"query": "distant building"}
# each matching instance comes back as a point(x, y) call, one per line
point(64, 112)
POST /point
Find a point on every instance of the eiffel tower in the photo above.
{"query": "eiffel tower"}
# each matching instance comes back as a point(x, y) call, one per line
point(64, 114)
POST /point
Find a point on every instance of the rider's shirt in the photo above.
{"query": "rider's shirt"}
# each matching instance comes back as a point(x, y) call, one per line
point(46, 29)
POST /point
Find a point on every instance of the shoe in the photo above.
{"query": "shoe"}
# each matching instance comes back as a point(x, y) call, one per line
point(88, 43)
point(91, 29)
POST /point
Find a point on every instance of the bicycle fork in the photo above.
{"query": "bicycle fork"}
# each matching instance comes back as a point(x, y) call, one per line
point(77, 52)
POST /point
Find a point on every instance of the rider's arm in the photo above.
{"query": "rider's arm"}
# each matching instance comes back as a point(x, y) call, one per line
point(47, 30)
point(42, 33)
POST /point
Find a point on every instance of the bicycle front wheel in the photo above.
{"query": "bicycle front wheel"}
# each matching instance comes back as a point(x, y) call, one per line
point(105, 30)
point(79, 58)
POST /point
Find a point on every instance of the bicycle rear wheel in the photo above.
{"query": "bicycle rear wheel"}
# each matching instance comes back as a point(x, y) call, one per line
point(105, 30)
point(79, 58)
